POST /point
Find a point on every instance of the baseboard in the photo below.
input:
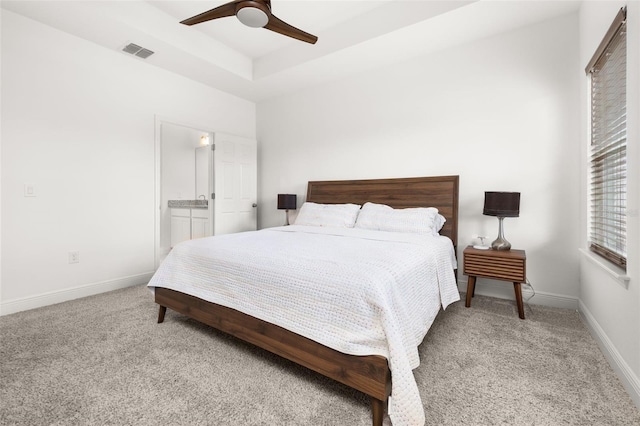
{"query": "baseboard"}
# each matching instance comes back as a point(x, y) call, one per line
point(629, 380)
point(504, 290)
point(51, 298)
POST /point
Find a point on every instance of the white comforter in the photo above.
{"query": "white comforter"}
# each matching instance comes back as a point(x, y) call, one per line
point(357, 291)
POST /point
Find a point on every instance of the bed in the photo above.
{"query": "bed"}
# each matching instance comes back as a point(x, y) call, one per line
point(370, 372)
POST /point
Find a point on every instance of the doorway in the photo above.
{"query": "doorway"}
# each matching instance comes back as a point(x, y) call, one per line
point(193, 165)
point(180, 178)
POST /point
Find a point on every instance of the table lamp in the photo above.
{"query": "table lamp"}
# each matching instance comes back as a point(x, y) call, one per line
point(501, 204)
point(287, 202)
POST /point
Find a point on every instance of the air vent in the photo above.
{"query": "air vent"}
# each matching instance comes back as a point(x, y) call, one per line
point(138, 51)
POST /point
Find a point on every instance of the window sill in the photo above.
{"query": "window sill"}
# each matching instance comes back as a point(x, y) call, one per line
point(614, 271)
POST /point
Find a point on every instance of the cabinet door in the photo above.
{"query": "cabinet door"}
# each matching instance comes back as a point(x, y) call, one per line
point(199, 227)
point(199, 223)
point(180, 226)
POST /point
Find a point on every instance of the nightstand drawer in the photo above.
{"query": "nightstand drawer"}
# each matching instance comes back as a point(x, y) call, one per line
point(508, 265)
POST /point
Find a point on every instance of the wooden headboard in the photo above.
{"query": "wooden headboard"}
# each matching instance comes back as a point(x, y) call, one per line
point(440, 192)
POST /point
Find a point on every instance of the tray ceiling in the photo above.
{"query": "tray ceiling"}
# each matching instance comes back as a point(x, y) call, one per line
point(255, 64)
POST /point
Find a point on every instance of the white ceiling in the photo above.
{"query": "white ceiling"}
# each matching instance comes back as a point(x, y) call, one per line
point(254, 63)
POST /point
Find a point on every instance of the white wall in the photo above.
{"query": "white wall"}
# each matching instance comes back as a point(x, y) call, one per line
point(500, 112)
point(611, 307)
point(78, 123)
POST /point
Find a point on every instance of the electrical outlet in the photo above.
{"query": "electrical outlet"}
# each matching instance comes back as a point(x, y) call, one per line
point(74, 257)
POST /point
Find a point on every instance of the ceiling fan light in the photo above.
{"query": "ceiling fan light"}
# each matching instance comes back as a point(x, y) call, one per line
point(252, 17)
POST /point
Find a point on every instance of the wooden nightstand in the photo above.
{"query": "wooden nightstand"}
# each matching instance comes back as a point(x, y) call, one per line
point(506, 265)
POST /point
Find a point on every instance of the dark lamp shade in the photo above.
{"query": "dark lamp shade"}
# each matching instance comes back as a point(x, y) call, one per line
point(287, 201)
point(502, 204)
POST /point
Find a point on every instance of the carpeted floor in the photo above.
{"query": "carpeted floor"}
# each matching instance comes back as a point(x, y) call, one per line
point(103, 360)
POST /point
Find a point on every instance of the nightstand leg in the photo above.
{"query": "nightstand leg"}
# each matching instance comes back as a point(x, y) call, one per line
point(518, 290)
point(471, 288)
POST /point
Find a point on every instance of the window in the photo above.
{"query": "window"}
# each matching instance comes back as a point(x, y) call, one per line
point(608, 161)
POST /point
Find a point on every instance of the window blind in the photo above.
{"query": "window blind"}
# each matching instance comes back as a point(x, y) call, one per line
point(608, 181)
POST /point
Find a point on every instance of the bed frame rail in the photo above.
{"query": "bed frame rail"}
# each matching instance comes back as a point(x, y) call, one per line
point(368, 374)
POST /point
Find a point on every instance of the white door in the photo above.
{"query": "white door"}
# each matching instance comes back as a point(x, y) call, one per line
point(235, 183)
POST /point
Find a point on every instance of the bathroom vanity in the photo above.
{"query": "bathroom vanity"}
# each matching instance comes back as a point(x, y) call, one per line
point(189, 220)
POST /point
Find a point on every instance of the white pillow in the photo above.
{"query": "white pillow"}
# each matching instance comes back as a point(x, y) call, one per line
point(421, 220)
point(334, 215)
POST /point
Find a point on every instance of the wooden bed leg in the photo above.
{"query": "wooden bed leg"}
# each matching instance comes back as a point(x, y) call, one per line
point(377, 410)
point(161, 313)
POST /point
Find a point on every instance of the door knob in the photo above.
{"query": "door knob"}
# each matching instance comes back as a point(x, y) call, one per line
point(254, 205)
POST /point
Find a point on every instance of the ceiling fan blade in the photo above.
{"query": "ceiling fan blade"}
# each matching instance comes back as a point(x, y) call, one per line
point(227, 9)
point(279, 26)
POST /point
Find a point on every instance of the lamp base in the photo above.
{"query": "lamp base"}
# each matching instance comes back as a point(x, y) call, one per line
point(500, 243)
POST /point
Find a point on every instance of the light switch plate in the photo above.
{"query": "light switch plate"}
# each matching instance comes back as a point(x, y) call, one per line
point(29, 190)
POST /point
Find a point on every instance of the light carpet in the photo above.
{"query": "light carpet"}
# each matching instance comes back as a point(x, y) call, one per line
point(104, 360)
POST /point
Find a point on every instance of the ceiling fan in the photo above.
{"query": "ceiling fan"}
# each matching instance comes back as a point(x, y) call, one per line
point(255, 14)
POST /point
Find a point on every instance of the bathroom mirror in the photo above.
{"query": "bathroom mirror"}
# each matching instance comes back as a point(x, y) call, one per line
point(202, 172)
